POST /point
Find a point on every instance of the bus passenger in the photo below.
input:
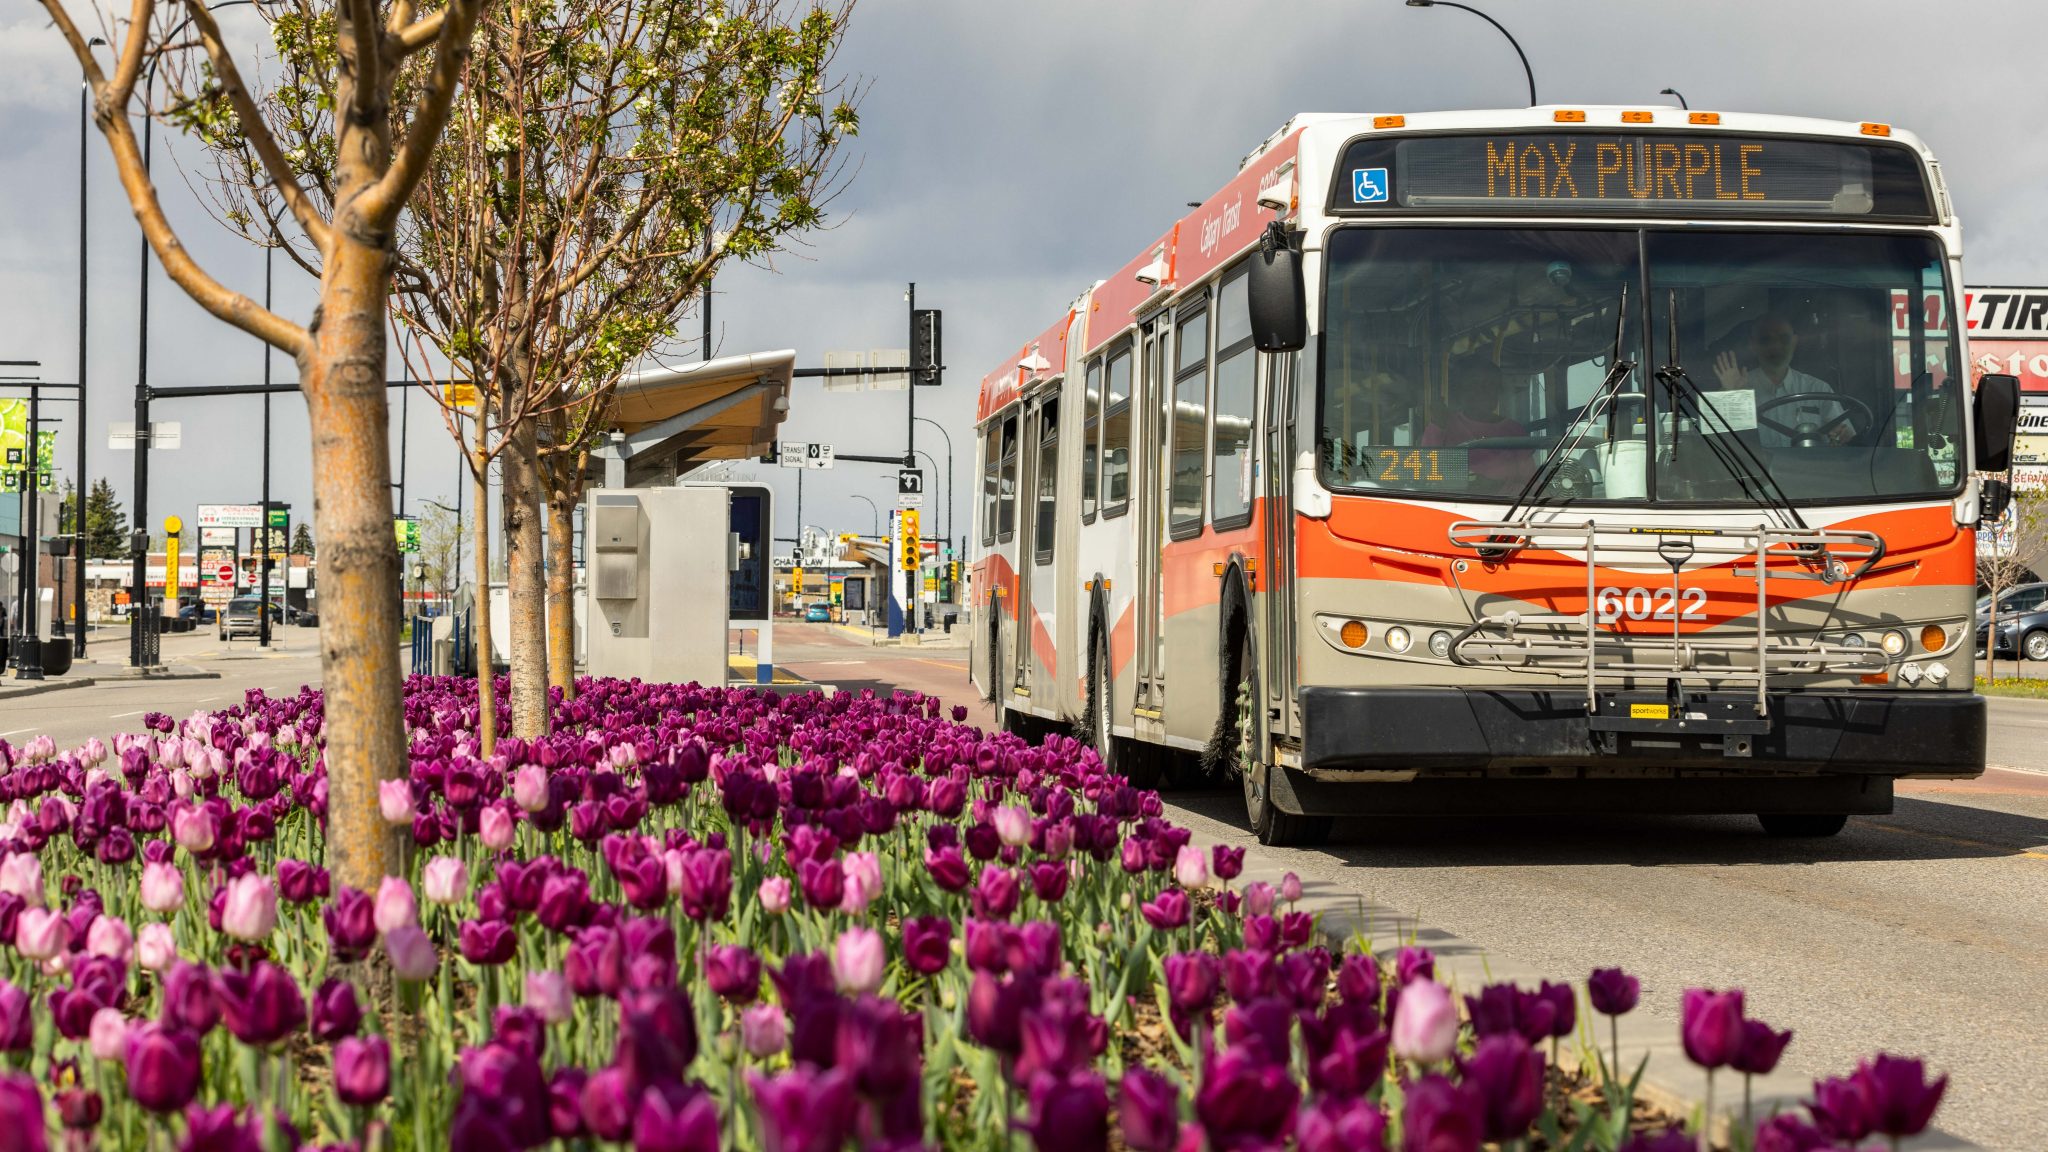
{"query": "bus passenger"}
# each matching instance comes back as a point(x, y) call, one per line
point(1478, 391)
point(1772, 342)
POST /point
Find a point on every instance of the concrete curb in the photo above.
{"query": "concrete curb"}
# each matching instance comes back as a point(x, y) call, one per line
point(1671, 1082)
point(35, 688)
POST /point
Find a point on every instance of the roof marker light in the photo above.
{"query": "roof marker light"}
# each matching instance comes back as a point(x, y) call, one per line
point(1568, 116)
point(1703, 118)
point(1390, 121)
point(1637, 118)
point(1870, 129)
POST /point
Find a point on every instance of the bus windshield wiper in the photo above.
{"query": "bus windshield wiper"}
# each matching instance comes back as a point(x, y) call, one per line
point(1756, 480)
point(1532, 491)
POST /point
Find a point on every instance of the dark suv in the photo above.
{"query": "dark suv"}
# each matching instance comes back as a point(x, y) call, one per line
point(2022, 622)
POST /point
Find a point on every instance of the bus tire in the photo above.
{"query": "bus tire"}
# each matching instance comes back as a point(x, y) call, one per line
point(1247, 757)
point(1802, 825)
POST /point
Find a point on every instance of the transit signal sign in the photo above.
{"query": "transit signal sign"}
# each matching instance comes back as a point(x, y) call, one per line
point(910, 488)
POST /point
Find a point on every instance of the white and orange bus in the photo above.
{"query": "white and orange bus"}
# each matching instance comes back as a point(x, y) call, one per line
point(1558, 459)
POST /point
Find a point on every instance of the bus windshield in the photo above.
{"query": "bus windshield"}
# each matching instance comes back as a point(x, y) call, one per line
point(1458, 362)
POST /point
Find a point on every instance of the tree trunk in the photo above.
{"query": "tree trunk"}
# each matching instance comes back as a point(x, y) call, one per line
point(563, 492)
point(526, 649)
point(486, 688)
point(342, 374)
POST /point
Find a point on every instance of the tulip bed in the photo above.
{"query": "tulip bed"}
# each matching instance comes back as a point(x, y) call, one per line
point(696, 918)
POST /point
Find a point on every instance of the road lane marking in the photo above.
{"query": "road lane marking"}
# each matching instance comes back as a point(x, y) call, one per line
point(123, 715)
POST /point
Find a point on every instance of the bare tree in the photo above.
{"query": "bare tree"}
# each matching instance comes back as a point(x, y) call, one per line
point(346, 219)
point(2010, 553)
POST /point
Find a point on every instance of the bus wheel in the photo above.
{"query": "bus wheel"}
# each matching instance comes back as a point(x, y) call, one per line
point(1099, 695)
point(1802, 825)
point(1247, 756)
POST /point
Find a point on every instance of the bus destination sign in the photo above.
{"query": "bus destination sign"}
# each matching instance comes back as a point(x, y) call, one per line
point(1603, 173)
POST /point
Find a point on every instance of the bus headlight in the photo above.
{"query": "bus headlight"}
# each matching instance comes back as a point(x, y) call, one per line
point(1440, 645)
point(1894, 643)
point(1854, 640)
point(1398, 639)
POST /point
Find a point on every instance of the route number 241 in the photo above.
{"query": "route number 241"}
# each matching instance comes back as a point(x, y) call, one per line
point(1646, 604)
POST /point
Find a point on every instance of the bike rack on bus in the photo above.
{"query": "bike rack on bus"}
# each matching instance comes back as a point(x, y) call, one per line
point(1562, 644)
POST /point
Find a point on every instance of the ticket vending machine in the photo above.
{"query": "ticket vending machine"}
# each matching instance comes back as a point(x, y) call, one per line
point(657, 609)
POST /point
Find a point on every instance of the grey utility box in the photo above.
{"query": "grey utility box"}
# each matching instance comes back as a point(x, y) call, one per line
point(659, 589)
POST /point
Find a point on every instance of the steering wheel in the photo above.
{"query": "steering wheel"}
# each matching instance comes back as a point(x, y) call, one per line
point(1822, 434)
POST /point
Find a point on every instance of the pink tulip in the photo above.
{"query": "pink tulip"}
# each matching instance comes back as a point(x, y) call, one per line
point(22, 874)
point(1290, 888)
point(41, 934)
point(1258, 899)
point(530, 788)
point(163, 887)
point(859, 960)
point(109, 1034)
point(156, 948)
point(1013, 826)
point(446, 880)
point(394, 799)
point(495, 827)
point(548, 994)
point(395, 905)
point(775, 895)
point(412, 954)
point(1426, 1027)
point(109, 936)
point(251, 910)
point(863, 881)
point(95, 750)
point(1191, 867)
point(192, 828)
point(764, 1030)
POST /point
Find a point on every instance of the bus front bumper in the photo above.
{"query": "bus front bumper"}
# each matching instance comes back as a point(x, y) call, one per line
point(1452, 732)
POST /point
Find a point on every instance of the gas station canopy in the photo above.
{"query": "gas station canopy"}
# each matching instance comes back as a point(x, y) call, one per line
point(668, 421)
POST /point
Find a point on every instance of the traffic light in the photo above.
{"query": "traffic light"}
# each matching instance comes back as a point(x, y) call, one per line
point(925, 355)
point(907, 545)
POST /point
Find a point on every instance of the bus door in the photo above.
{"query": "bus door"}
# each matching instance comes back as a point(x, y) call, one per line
point(1152, 396)
point(1027, 537)
point(1274, 583)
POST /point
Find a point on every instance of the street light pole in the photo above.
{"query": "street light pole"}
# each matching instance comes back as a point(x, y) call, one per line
point(78, 509)
point(949, 472)
point(1526, 71)
point(263, 555)
point(872, 507)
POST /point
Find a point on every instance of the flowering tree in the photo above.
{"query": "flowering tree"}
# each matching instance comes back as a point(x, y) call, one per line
point(346, 205)
point(2010, 553)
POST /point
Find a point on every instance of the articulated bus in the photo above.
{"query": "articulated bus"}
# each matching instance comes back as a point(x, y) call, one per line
point(1549, 460)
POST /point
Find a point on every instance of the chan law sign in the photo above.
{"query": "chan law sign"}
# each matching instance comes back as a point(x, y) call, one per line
point(230, 516)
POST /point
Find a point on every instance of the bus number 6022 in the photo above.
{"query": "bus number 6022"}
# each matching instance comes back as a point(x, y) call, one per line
point(1648, 604)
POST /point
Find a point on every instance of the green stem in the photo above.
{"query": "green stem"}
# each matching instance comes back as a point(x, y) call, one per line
point(1707, 1117)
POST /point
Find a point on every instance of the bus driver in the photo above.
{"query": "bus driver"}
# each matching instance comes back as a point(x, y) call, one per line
point(1476, 413)
point(1772, 343)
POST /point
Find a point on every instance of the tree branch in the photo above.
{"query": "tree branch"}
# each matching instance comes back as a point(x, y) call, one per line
point(255, 130)
point(421, 32)
point(451, 50)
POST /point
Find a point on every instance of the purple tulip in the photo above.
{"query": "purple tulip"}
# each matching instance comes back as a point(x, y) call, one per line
point(706, 888)
point(1781, 1133)
point(1339, 1124)
point(1613, 992)
point(1245, 1101)
point(1439, 1116)
point(1167, 911)
point(804, 1111)
point(1069, 1113)
point(1414, 964)
point(1148, 1112)
point(189, 1000)
point(1711, 1026)
point(1508, 1074)
point(606, 1104)
point(362, 1070)
point(487, 942)
point(1672, 1139)
point(1049, 880)
point(1358, 980)
point(948, 868)
point(734, 972)
point(1190, 982)
point(336, 1013)
point(996, 893)
point(259, 1006)
point(657, 1035)
point(880, 1045)
point(675, 1118)
point(1761, 1047)
point(1226, 862)
point(21, 1111)
point(17, 1019)
point(1841, 1108)
point(823, 883)
point(1346, 1049)
point(927, 944)
point(995, 1008)
point(510, 1085)
point(351, 919)
point(163, 1067)
point(1902, 1101)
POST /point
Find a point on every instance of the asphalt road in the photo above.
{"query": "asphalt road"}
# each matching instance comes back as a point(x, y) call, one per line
point(1923, 932)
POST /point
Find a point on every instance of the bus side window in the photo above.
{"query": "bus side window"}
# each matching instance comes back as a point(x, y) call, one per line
point(1091, 439)
point(1006, 499)
point(1116, 435)
point(990, 483)
point(1230, 462)
point(1190, 419)
point(1047, 522)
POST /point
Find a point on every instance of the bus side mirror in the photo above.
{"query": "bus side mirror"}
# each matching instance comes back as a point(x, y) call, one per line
point(1994, 496)
point(1996, 421)
point(1276, 292)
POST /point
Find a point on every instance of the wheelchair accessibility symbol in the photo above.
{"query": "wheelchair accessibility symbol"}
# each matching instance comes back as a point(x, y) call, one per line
point(1369, 185)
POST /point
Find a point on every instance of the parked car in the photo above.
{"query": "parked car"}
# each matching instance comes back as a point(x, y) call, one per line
point(197, 612)
point(817, 614)
point(242, 618)
point(2022, 622)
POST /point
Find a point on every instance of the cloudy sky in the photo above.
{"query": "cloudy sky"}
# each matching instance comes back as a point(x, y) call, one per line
point(1010, 155)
